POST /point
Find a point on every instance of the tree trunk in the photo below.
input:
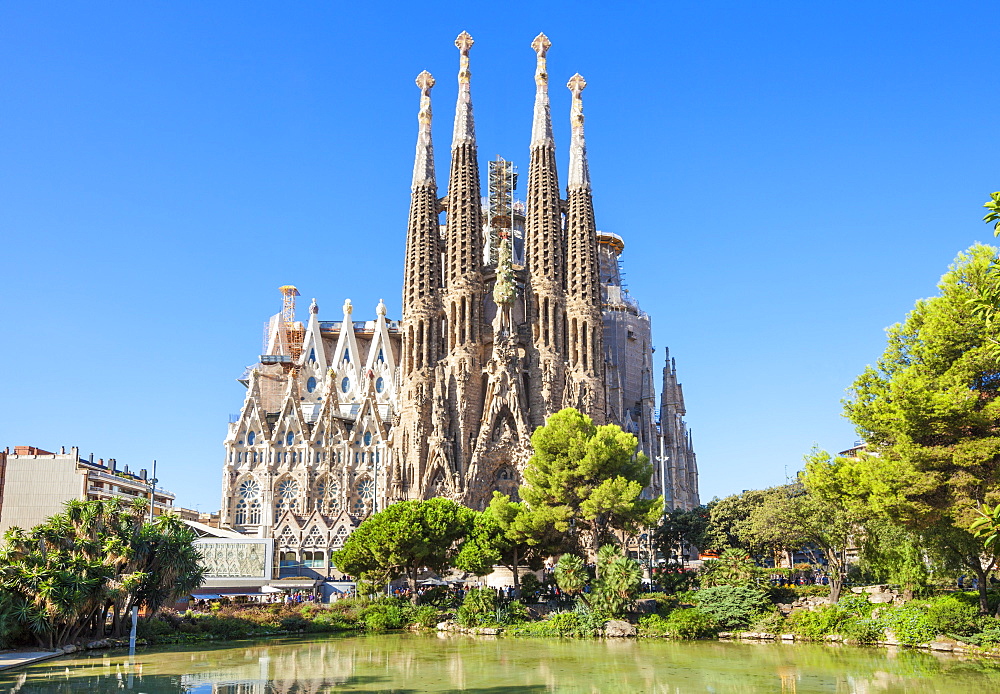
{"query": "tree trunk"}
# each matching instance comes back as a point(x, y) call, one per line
point(981, 573)
point(517, 578)
point(413, 584)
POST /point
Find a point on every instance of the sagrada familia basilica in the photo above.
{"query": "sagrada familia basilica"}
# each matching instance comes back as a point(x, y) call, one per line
point(511, 311)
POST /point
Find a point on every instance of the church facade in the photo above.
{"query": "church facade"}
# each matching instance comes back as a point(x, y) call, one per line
point(511, 311)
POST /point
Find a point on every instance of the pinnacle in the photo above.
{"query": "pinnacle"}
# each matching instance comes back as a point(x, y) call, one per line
point(576, 83)
point(464, 42)
point(425, 80)
point(541, 44)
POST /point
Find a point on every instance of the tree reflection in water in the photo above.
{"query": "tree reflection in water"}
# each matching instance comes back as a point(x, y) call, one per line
point(419, 663)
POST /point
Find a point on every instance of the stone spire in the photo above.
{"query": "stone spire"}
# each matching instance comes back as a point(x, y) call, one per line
point(422, 312)
point(422, 275)
point(423, 163)
point(465, 124)
point(585, 343)
point(459, 378)
point(579, 171)
point(464, 241)
point(544, 250)
point(541, 123)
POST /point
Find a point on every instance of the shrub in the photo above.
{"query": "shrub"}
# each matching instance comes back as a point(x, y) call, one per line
point(619, 583)
point(733, 607)
point(530, 585)
point(952, 614)
point(385, 614)
point(294, 623)
point(653, 625)
point(909, 623)
point(568, 624)
point(516, 612)
point(690, 623)
point(478, 609)
point(862, 629)
point(815, 624)
point(772, 622)
point(425, 616)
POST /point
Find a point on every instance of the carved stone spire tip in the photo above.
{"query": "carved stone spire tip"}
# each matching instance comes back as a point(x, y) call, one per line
point(541, 44)
point(425, 80)
point(464, 42)
point(576, 83)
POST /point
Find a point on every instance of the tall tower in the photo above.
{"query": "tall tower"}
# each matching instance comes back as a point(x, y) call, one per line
point(585, 352)
point(422, 310)
point(544, 253)
point(459, 380)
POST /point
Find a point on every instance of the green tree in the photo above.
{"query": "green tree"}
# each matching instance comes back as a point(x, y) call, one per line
point(404, 538)
point(891, 553)
point(930, 413)
point(728, 522)
point(993, 205)
point(680, 528)
point(734, 567)
point(67, 577)
point(815, 515)
point(571, 574)
point(591, 474)
point(504, 534)
point(618, 584)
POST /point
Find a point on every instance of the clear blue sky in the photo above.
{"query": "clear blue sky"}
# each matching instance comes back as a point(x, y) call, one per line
point(789, 177)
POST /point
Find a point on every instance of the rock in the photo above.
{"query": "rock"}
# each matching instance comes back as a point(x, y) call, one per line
point(70, 649)
point(836, 638)
point(725, 634)
point(788, 637)
point(646, 606)
point(443, 626)
point(943, 644)
point(489, 631)
point(619, 628)
point(881, 598)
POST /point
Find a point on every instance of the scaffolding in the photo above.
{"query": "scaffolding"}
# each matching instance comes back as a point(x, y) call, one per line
point(294, 330)
point(502, 215)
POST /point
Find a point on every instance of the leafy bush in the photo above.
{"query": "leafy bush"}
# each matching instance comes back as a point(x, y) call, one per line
point(530, 585)
point(385, 614)
point(733, 607)
point(733, 567)
point(478, 609)
point(618, 585)
point(690, 623)
point(425, 616)
point(862, 629)
point(772, 622)
point(653, 625)
point(856, 604)
point(953, 614)
point(815, 624)
point(987, 638)
point(909, 623)
point(568, 624)
point(516, 612)
point(294, 623)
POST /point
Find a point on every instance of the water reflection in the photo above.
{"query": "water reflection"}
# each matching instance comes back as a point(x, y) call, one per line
point(414, 663)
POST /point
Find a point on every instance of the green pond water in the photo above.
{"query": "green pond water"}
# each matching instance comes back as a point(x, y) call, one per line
point(458, 663)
